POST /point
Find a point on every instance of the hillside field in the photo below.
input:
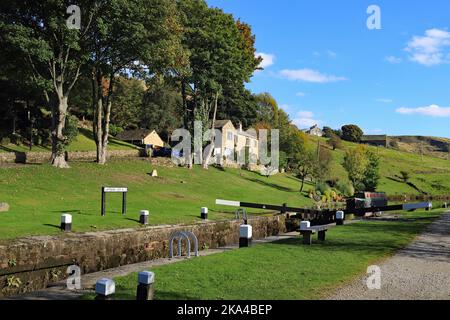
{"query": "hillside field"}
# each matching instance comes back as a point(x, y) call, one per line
point(39, 194)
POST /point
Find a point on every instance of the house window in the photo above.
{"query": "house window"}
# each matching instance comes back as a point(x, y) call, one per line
point(230, 136)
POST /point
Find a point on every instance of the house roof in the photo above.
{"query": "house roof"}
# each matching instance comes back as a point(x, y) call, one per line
point(131, 135)
point(247, 134)
point(220, 123)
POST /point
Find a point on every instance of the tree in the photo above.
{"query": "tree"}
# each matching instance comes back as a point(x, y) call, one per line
point(362, 166)
point(371, 174)
point(267, 108)
point(303, 165)
point(220, 57)
point(127, 104)
point(334, 141)
point(162, 109)
point(322, 165)
point(355, 163)
point(137, 36)
point(352, 133)
point(404, 175)
point(53, 53)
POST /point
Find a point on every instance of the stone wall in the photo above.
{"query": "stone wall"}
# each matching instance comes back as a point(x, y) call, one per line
point(44, 157)
point(38, 261)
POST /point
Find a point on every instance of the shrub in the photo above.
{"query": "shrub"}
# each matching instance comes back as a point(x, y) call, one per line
point(115, 130)
point(352, 133)
point(345, 188)
point(322, 187)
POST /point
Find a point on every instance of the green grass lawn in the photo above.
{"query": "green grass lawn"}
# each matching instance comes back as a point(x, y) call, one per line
point(285, 269)
point(39, 194)
point(83, 142)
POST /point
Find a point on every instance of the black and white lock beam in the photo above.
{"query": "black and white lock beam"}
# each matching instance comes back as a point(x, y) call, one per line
point(204, 213)
point(105, 289)
point(144, 216)
point(245, 235)
point(145, 290)
point(66, 222)
point(340, 216)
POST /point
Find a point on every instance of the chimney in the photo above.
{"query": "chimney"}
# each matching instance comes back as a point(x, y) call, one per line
point(240, 126)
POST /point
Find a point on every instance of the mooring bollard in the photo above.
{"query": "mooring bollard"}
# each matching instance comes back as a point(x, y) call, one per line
point(66, 222)
point(445, 205)
point(204, 213)
point(145, 290)
point(340, 218)
point(430, 206)
point(143, 218)
point(105, 289)
point(245, 236)
point(305, 225)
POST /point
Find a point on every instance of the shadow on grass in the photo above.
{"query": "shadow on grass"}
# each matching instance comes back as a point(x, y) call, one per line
point(134, 220)
point(270, 185)
point(52, 225)
point(111, 141)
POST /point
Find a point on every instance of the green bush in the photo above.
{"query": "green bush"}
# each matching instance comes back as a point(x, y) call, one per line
point(345, 188)
point(322, 187)
point(115, 130)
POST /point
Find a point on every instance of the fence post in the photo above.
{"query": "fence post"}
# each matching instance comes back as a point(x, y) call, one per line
point(340, 218)
point(245, 236)
point(145, 290)
point(105, 289)
point(66, 222)
point(143, 218)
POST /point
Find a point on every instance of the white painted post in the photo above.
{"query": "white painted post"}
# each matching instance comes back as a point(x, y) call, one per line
point(340, 218)
point(145, 290)
point(143, 218)
point(245, 236)
point(105, 289)
point(66, 222)
point(305, 225)
point(204, 213)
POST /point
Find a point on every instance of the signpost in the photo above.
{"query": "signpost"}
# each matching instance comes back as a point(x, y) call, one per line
point(106, 190)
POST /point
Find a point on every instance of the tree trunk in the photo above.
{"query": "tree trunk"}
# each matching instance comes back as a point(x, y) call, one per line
point(98, 116)
point(303, 184)
point(213, 134)
point(58, 138)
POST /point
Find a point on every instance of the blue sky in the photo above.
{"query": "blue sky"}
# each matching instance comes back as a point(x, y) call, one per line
point(323, 64)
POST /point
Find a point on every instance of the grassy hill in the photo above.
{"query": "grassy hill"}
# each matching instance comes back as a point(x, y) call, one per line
point(432, 146)
point(83, 142)
point(429, 174)
point(39, 194)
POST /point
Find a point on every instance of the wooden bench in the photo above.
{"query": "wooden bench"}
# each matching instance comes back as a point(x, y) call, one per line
point(307, 233)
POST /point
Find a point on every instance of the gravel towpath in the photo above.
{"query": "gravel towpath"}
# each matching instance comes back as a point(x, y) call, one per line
point(420, 271)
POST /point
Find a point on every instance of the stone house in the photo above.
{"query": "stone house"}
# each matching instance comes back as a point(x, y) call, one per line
point(315, 131)
point(236, 141)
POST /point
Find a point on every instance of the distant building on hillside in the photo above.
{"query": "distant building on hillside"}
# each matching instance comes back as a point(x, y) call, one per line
point(142, 137)
point(314, 131)
point(377, 140)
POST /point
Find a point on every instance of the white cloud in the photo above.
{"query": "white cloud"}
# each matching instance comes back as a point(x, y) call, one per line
point(430, 49)
point(331, 54)
point(393, 60)
point(384, 100)
point(305, 119)
point(309, 75)
point(431, 111)
point(300, 94)
point(268, 59)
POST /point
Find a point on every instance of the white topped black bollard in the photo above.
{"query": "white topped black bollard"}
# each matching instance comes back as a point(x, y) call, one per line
point(143, 218)
point(204, 213)
point(145, 290)
point(66, 222)
point(340, 218)
point(105, 289)
point(245, 236)
point(305, 225)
